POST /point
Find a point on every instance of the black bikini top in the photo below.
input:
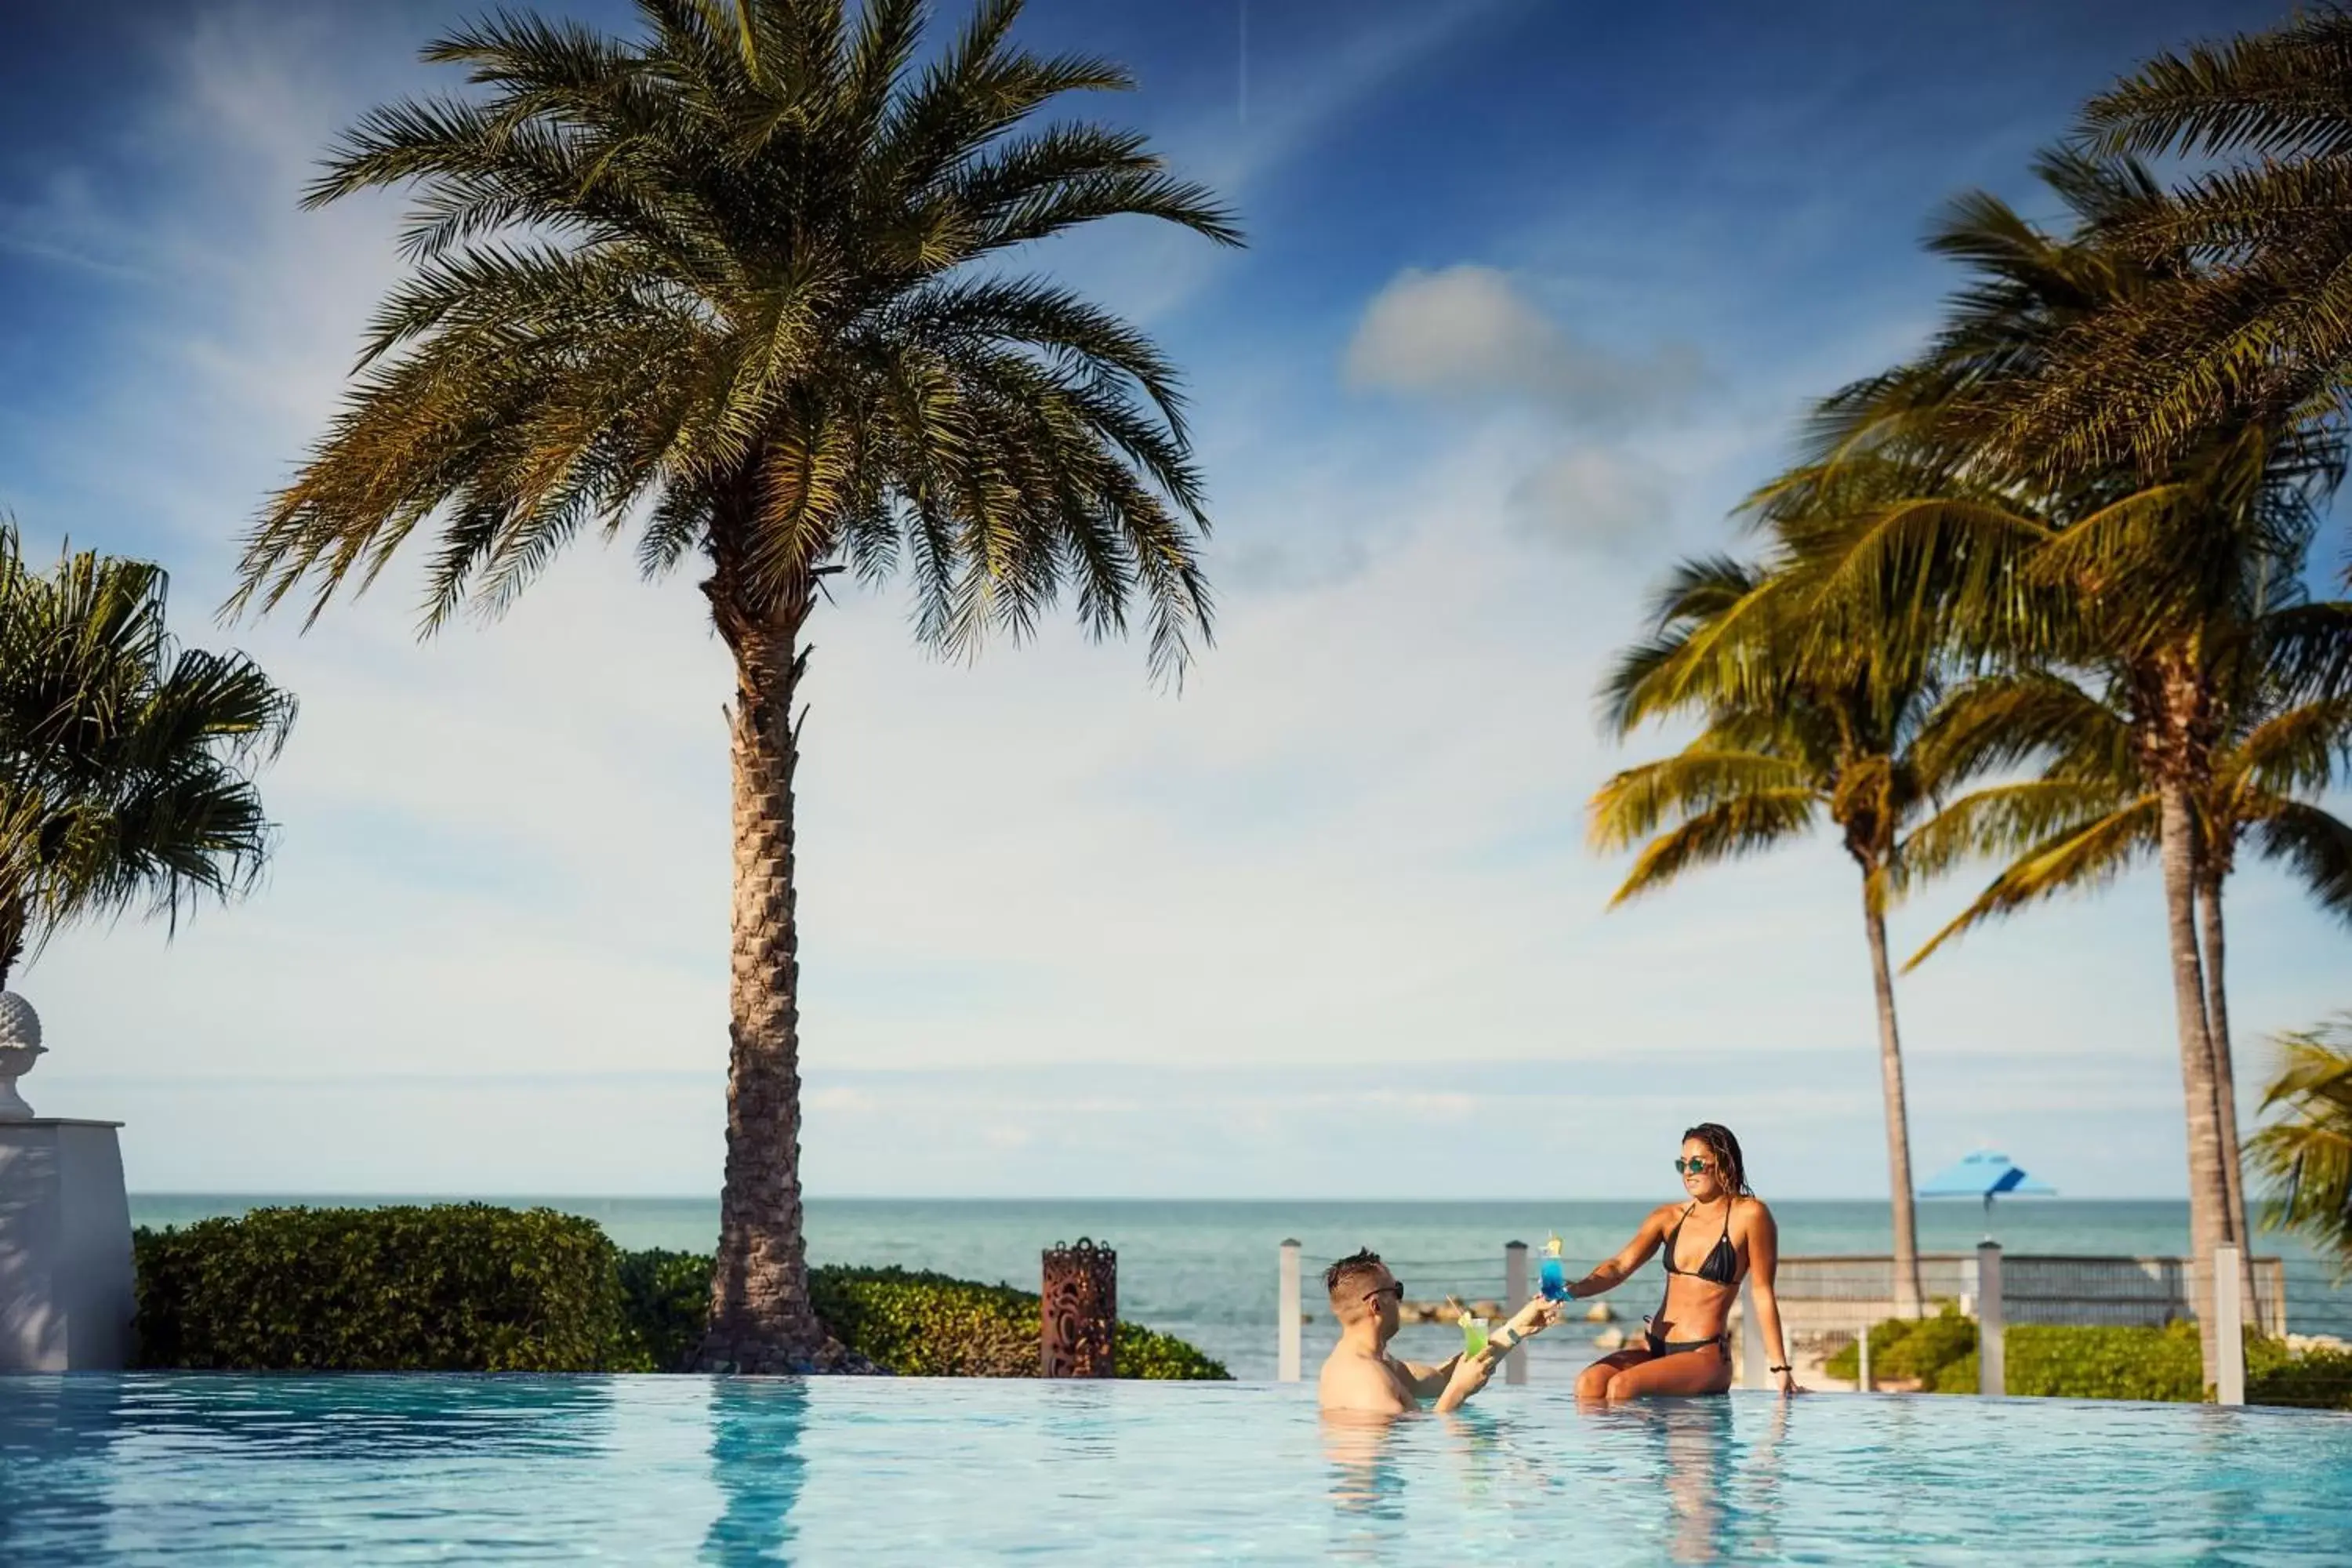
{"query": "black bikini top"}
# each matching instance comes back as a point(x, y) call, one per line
point(1720, 1267)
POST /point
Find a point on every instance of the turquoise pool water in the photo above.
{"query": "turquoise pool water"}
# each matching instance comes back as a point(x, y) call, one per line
point(261, 1471)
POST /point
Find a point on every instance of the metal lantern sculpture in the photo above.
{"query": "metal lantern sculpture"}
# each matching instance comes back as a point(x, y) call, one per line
point(1079, 1311)
point(20, 1045)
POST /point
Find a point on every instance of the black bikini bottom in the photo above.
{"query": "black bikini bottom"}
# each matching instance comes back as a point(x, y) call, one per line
point(1669, 1347)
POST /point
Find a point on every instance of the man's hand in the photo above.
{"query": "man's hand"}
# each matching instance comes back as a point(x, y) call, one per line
point(1470, 1375)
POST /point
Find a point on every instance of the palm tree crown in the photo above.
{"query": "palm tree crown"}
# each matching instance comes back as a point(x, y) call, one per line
point(749, 270)
point(126, 761)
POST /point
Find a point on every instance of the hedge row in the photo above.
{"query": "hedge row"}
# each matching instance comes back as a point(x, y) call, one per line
point(451, 1287)
point(2053, 1361)
point(914, 1323)
point(478, 1287)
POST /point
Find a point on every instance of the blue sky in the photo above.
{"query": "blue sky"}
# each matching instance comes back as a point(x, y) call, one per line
point(1536, 290)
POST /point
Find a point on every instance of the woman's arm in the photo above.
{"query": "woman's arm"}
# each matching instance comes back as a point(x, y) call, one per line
point(1620, 1269)
point(1763, 1263)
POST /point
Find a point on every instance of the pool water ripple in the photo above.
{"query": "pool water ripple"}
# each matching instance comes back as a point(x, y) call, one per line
point(271, 1470)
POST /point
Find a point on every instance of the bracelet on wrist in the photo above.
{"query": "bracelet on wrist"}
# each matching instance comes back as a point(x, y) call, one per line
point(1783, 1367)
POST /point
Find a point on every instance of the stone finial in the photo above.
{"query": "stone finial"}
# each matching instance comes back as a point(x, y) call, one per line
point(20, 1045)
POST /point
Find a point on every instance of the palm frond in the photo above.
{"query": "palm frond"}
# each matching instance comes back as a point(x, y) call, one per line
point(2076, 857)
point(1744, 824)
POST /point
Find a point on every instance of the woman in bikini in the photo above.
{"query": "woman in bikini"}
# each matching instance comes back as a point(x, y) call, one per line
point(1720, 1233)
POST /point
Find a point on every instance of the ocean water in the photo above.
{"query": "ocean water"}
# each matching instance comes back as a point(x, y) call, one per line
point(1206, 1270)
point(265, 1473)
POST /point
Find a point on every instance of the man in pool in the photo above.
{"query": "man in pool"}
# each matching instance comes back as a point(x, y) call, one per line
point(1360, 1375)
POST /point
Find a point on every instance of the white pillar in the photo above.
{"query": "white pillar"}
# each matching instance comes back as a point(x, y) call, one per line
point(1993, 1372)
point(2228, 1328)
point(1286, 1343)
point(1862, 1373)
point(66, 1284)
point(1752, 1353)
point(1515, 1296)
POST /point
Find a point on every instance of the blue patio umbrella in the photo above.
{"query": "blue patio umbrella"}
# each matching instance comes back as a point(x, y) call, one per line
point(1984, 1173)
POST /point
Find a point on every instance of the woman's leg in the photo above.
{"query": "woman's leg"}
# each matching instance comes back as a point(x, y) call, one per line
point(1705, 1371)
point(1593, 1382)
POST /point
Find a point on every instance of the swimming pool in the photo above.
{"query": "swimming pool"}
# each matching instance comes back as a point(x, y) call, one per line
point(252, 1470)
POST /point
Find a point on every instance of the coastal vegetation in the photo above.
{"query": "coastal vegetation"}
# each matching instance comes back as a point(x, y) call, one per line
point(479, 1288)
point(2064, 554)
point(1938, 1354)
point(745, 284)
point(2307, 1153)
point(127, 761)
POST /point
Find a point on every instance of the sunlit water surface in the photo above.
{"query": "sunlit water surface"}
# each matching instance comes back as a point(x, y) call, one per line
point(265, 1470)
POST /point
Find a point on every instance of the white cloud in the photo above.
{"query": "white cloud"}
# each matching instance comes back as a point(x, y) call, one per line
point(1597, 498)
point(1470, 332)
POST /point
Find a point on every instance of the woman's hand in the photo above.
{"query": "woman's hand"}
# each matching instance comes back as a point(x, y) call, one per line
point(1787, 1378)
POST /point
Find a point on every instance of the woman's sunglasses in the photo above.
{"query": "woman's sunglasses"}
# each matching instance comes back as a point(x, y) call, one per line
point(1691, 1167)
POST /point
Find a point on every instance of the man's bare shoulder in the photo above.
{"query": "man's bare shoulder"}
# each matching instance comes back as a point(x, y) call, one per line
point(1352, 1381)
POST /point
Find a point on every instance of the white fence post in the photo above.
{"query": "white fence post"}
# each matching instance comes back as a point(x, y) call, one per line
point(1752, 1354)
point(1993, 1372)
point(1862, 1373)
point(1285, 1342)
point(2228, 1328)
point(1515, 1296)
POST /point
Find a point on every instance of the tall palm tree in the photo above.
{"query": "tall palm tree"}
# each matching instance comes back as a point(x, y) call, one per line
point(126, 761)
point(2306, 1156)
point(747, 281)
point(1794, 734)
point(2093, 812)
point(2264, 322)
point(2103, 568)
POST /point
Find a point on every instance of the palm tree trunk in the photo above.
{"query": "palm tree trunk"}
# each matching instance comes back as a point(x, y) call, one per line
point(761, 1321)
point(2225, 1081)
point(2208, 1197)
point(1898, 1116)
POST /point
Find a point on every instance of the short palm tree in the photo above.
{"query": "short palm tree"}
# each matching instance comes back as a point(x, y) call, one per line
point(1795, 734)
point(2306, 1155)
point(746, 282)
point(126, 761)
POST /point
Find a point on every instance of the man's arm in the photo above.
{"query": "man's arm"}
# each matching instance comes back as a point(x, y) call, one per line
point(1429, 1382)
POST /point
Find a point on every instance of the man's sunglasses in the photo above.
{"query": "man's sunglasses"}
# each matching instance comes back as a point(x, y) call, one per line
point(1691, 1167)
point(1393, 1288)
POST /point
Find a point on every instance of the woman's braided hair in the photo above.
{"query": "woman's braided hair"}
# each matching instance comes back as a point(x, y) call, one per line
point(1725, 1147)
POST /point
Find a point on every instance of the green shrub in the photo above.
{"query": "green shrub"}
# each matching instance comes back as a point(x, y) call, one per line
point(665, 1297)
point(1905, 1348)
point(928, 1325)
point(2067, 1362)
point(2319, 1380)
point(1151, 1354)
point(2085, 1362)
point(913, 1323)
point(449, 1288)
